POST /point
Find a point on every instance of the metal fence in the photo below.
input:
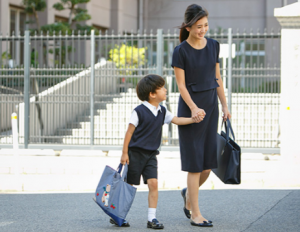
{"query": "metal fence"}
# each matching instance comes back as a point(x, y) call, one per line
point(50, 86)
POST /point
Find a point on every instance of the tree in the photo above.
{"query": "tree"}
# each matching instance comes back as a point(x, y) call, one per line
point(76, 13)
point(32, 7)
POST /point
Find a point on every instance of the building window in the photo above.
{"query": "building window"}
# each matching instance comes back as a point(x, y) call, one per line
point(100, 29)
point(60, 19)
point(18, 20)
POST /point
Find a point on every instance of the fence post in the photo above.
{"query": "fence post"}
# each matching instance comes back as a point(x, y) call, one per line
point(26, 87)
point(15, 135)
point(229, 79)
point(159, 52)
point(92, 94)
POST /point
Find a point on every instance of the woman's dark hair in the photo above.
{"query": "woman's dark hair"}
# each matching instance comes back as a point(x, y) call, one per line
point(149, 84)
point(192, 14)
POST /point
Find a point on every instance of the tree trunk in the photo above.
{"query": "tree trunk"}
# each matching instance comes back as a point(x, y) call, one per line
point(70, 16)
point(37, 19)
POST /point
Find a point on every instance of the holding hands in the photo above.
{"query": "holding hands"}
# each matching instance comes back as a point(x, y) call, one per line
point(198, 114)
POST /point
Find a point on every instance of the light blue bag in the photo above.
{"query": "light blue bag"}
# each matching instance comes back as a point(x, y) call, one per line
point(113, 194)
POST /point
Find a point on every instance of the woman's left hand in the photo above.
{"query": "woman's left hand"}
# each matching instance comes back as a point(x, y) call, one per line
point(226, 113)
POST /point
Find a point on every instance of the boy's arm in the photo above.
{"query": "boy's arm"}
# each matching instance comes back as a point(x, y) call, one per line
point(182, 121)
point(128, 135)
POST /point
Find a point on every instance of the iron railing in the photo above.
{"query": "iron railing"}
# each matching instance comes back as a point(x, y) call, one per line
point(58, 105)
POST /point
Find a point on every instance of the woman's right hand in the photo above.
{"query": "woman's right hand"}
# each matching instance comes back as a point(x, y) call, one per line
point(198, 114)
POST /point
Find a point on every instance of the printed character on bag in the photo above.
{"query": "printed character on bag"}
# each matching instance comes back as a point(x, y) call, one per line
point(105, 195)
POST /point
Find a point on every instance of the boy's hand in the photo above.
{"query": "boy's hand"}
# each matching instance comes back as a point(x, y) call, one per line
point(198, 114)
point(202, 113)
point(125, 158)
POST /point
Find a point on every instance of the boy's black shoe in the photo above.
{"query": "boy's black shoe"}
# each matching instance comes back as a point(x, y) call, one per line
point(125, 223)
point(155, 224)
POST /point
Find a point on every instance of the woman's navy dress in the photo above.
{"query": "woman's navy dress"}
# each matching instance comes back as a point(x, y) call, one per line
point(198, 141)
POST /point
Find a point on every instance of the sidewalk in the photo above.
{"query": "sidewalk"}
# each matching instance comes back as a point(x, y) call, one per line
point(80, 171)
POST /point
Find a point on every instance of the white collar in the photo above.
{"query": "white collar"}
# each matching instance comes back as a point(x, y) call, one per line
point(151, 107)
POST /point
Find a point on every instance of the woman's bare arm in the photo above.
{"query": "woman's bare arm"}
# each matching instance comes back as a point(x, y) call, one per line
point(221, 94)
point(180, 79)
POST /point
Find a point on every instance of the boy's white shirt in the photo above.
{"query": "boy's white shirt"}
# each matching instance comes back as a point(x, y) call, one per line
point(134, 119)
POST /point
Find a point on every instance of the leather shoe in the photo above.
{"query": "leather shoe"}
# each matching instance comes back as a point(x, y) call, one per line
point(125, 223)
point(203, 224)
point(185, 210)
point(155, 224)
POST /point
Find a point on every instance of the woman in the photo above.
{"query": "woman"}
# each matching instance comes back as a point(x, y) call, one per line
point(196, 66)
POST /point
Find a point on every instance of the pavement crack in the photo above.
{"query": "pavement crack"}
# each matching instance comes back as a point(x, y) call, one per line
point(267, 211)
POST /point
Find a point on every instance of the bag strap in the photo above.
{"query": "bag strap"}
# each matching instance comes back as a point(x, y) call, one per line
point(228, 129)
point(124, 174)
point(119, 169)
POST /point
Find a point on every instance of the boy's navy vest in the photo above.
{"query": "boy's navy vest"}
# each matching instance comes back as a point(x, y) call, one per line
point(147, 134)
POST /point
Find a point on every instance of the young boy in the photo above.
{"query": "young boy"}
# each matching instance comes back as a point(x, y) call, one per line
point(143, 138)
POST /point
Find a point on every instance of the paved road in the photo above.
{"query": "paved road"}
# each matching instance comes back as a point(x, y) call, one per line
point(230, 210)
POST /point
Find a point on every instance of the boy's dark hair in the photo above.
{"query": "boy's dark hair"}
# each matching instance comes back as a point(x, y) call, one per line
point(149, 84)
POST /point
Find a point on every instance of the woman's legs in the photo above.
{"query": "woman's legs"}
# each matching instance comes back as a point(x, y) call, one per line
point(204, 176)
point(194, 181)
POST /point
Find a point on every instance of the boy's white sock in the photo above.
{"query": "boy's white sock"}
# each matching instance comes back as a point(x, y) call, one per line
point(151, 214)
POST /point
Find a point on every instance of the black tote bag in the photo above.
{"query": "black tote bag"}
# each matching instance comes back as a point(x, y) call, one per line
point(229, 157)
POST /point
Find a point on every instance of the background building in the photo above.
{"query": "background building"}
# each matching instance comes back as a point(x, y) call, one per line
point(131, 15)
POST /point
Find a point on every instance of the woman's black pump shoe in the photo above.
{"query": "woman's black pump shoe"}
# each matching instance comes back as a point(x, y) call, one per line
point(203, 224)
point(185, 210)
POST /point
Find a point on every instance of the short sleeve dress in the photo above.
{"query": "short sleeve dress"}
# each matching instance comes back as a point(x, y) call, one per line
point(198, 141)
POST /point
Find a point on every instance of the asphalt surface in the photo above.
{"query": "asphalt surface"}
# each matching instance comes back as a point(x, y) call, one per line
point(230, 210)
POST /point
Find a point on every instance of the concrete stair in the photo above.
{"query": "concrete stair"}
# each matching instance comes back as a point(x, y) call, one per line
point(255, 120)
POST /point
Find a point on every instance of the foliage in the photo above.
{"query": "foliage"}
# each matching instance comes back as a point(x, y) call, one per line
point(128, 57)
point(76, 14)
point(34, 5)
point(5, 56)
point(31, 7)
point(55, 28)
point(63, 54)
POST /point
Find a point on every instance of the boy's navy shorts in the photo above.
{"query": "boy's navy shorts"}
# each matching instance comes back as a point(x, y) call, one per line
point(141, 162)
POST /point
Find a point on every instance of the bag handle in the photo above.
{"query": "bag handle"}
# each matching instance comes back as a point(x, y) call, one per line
point(124, 174)
point(119, 169)
point(228, 129)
